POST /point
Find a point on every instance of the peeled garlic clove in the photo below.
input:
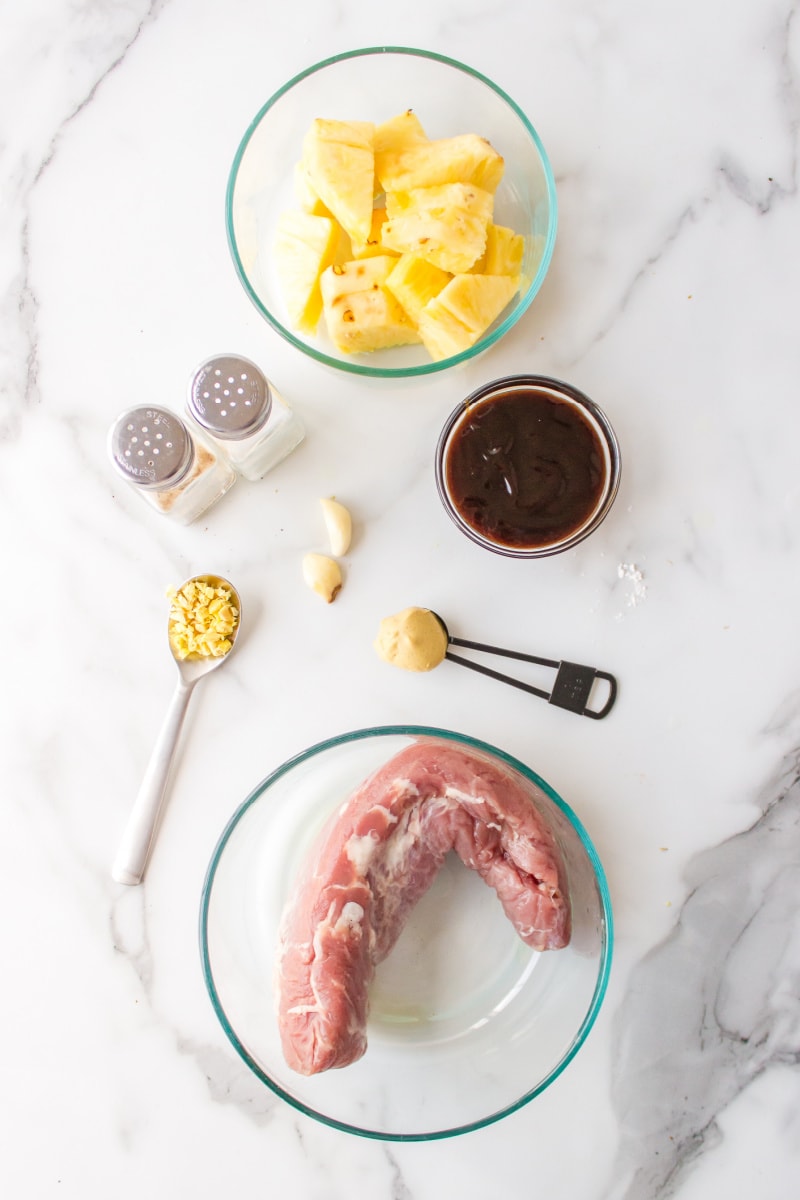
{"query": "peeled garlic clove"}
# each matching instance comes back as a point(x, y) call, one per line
point(322, 575)
point(339, 525)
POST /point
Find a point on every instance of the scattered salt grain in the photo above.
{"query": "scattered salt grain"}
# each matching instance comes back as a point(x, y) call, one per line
point(631, 573)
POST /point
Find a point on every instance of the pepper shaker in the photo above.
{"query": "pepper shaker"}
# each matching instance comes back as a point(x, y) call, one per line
point(232, 401)
point(178, 473)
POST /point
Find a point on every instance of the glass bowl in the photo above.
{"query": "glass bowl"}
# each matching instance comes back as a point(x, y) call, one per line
point(376, 84)
point(466, 1023)
point(527, 466)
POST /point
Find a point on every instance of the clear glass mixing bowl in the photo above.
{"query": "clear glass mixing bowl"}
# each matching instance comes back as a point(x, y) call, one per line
point(376, 84)
point(466, 1023)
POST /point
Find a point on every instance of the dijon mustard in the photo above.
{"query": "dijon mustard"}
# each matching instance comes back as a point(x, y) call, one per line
point(413, 639)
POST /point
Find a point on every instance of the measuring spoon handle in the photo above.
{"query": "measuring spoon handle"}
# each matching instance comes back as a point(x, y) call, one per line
point(137, 840)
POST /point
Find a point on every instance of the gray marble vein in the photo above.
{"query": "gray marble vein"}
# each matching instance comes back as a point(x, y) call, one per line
point(717, 1004)
point(82, 51)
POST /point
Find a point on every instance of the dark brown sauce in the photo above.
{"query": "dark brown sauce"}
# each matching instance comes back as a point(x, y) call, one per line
point(525, 469)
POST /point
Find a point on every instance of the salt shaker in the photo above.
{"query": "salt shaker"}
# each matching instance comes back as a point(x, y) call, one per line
point(231, 399)
point(178, 473)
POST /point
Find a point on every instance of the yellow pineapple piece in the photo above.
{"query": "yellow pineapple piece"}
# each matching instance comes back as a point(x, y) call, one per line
point(369, 321)
point(398, 133)
point(465, 158)
point(358, 275)
point(452, 241)
point(304, 192)
point(446, 223)
point(503, 253)
point(340, 163)
point(304, 247)
point(374, 243)
point(360, 312)
point(454, 320)
point(442, 199)
point(413, 282)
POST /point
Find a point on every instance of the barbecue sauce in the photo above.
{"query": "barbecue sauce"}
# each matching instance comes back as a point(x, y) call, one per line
point(525, 469)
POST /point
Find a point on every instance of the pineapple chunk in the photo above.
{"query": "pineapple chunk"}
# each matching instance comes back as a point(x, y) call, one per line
point(374, 243)
point(413, 282)
point(454, 320)
point(304, 247)
point(306, 197)
point(441, 199)
point(445, 224)
point(358, 275)
point(452, 241)
point(369, 321)
point(340, 163)
point(360, 312)
point(465, 158)
point(398, 133)
point(503, 253)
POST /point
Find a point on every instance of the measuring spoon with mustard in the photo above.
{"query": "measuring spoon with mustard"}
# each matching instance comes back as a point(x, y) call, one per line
point(417, 639)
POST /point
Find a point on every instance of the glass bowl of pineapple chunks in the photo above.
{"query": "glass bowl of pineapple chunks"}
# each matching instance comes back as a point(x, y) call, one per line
point(391, 212)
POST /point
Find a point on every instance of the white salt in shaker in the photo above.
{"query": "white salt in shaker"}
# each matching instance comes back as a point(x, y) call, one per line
point(178, 473)
point(231, 399)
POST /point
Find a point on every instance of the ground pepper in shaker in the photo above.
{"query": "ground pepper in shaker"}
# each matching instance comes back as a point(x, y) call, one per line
point(178, 473)
point(232, 400)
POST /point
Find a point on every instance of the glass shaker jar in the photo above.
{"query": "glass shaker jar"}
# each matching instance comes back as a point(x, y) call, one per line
point(231, 399)
point(178, 473)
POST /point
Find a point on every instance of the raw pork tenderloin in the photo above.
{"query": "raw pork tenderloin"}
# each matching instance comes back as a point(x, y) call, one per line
point(376, 857)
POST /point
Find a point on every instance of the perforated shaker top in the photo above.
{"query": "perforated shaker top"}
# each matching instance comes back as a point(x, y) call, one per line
point(152, 447)
point(230, 397)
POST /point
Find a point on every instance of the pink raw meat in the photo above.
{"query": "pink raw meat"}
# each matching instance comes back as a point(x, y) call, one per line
point(376, 857)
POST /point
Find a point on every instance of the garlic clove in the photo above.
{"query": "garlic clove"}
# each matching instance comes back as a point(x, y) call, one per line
point(323, 575)
point(339, 524)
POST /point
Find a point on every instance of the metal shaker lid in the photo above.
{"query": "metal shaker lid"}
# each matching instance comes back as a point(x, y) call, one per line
point(230, 397)
point(152, 447)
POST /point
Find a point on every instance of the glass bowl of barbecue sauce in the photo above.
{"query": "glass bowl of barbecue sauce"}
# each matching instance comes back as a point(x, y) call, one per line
point(527, 466)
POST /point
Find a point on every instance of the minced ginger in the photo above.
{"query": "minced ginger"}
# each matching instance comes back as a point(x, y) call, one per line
point(202, 620)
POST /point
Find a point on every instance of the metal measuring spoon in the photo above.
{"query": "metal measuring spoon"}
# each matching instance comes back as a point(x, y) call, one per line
point(571, 689)
point(139, 835)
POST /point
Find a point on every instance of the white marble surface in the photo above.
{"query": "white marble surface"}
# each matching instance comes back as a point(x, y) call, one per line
point(673, 301)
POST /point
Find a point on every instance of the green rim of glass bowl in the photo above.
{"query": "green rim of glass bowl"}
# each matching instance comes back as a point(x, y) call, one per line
point(423, 368)
point(605, 899)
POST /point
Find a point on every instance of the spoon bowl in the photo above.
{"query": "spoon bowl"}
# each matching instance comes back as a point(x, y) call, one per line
point(194, 666)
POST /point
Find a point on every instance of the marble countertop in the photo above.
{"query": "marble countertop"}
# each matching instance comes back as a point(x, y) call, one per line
point(672, 301)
